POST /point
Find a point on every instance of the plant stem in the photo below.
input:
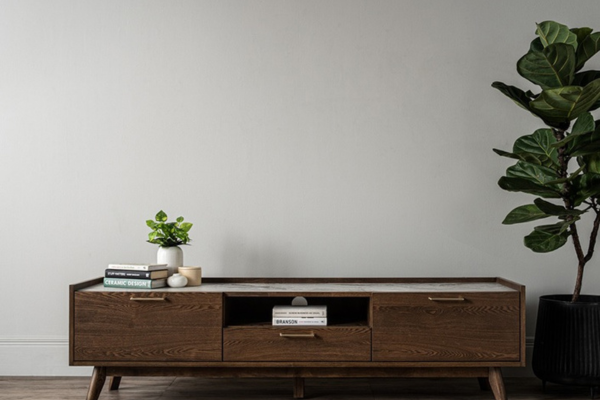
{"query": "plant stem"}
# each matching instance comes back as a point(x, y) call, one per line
point(593, 237)
point(588, 256)
point(580, 265)
point(563, 161)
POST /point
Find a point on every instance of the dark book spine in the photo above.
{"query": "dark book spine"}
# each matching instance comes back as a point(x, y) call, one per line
point(117, 273)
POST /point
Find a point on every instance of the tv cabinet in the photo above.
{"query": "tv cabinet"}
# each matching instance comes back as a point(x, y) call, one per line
point(377, 327)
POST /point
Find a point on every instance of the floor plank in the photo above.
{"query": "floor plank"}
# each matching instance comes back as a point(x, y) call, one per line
point(168, 388)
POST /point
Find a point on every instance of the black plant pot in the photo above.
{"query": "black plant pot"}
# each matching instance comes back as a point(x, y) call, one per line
point(567, 341)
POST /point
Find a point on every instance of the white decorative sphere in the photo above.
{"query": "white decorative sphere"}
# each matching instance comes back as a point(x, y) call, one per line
point(177, 280)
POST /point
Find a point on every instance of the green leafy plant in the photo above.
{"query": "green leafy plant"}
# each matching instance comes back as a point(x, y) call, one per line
point(560, 163)
point(168, 234)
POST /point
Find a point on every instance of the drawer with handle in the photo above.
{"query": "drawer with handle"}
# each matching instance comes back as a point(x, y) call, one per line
point(269, 343)
point(446, 326)
point(147, 326)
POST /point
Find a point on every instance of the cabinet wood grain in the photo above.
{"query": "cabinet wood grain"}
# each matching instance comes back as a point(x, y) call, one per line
point(446, 327)
point(110, 326)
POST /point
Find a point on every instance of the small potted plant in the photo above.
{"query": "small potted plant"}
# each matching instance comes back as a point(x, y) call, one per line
point(168, 236)
point(559, 164)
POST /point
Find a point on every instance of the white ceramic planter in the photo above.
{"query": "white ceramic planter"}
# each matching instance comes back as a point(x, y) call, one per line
point(172, 256)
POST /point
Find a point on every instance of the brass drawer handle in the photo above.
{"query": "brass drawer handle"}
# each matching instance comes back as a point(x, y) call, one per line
point(147, 298)
point(297, 335)
point(447, 298)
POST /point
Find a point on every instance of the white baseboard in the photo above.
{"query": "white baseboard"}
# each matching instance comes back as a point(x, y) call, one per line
point(37, 356)
point(49, 356)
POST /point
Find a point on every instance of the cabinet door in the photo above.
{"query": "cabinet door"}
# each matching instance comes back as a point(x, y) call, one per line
point(147, 326)
point(442, 327)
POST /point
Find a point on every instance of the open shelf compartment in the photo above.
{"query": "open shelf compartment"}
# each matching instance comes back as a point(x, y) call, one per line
point(258, 311)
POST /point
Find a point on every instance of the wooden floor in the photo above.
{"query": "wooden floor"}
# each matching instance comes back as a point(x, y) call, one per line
point(144, 388)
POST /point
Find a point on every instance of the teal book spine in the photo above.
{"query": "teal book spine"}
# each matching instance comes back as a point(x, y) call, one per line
point(134, 283)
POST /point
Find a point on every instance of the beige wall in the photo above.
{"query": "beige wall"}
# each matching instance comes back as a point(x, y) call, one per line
point(303, 138)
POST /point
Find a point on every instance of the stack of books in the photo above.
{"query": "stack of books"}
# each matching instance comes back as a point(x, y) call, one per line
point(136, 276)
point(300, 316)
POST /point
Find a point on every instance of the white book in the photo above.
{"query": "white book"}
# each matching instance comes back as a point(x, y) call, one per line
point(300, 311)
point(138, 267)
point(299, 321)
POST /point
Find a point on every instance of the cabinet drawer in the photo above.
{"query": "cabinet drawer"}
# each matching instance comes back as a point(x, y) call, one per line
point(147, 326)
point(442, 327)
point(268, 343)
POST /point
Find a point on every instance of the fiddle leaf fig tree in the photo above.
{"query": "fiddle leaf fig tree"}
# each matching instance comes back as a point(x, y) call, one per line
point(560, 163)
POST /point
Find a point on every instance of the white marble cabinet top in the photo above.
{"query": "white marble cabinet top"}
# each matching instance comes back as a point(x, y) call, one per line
point(283, 288)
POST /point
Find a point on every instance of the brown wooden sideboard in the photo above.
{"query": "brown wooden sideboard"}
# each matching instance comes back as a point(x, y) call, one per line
point(377, 327)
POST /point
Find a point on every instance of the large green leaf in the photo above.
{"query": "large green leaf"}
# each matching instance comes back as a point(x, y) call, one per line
point(527, 186)
point(549, 208)
point(552, 209)
point(527, 157)
point(536, 45)
point(584, 78)
point(586, 144)
point(547, 238)
point(588, 48)
point(511, 155)
point(582, 126)
point(584, 187)
point(520, 97)
point(593, 163)
point(581, 34)
point(557, 107)
point(552, 32)
point(538, 146)
point(552, 67)
point(537, 174)
point(588, 150)
point(532, 179)
point(526, 213)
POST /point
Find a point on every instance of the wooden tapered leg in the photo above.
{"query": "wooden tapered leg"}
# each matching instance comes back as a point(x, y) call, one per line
point(497, 383)
point(298, 388)
point(115, 381)
point(97, 382)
